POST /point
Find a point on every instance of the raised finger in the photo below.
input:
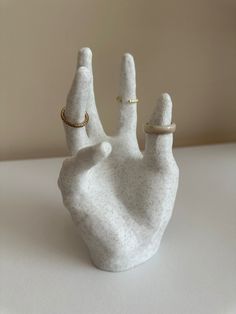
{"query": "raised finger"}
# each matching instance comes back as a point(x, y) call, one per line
point(158, 147)
point(90, 156)
point(94, 128)
point(76, 109)
point(127, 96)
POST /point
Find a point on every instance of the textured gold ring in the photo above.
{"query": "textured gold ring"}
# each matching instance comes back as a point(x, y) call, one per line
point(129, 101)
point(159, 129)
point(74, 125)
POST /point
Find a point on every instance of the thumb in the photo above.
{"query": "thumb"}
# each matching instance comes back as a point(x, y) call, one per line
point(90, 156)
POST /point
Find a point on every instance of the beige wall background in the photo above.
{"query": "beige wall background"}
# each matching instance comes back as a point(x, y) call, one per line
point(186, 48)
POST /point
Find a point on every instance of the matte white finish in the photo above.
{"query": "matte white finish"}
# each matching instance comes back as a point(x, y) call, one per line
point(120, 198)
point(45, 268)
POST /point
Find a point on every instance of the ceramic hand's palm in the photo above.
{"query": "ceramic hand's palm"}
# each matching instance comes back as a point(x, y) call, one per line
point(120, 198)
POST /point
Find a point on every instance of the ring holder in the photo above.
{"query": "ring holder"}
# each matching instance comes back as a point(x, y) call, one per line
point(120, 198)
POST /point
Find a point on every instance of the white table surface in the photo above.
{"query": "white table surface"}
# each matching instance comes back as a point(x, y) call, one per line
point(44, 265)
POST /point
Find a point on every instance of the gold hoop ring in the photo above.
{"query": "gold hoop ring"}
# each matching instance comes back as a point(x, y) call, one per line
point(74, 125)
point(159, 129)
point(129, 101)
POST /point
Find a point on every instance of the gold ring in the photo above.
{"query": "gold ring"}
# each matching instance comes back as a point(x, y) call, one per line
point(129, 101)
point(74, 125)
point(159, 129)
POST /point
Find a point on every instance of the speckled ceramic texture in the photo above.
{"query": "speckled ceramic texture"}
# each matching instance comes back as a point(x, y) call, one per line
point(121, 199)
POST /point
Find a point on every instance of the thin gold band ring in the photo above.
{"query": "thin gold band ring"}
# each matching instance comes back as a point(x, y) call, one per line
point(129, 101)
point(159, 129)
point(74, 125)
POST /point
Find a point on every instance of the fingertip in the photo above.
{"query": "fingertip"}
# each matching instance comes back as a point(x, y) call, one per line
point(105, 148)
point(100, 152)
point(164, 104)
point(85, 57)
point(128, 57)
point(162, 114)
point(165, 98)
point(128, 62)
point(86, 50)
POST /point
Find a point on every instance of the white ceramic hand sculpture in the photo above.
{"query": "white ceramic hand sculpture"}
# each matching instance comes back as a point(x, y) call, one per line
point(120, 198)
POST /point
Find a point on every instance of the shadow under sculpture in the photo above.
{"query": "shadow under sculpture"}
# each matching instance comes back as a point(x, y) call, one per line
point(121, 199)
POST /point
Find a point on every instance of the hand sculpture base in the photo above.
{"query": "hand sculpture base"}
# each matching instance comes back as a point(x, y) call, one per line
point(120, 198)
point(117, 263)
